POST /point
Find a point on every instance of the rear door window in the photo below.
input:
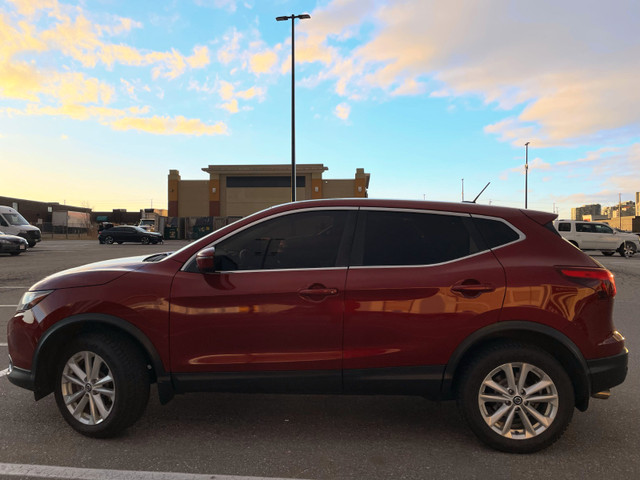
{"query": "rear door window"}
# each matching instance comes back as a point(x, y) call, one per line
point(397, 238)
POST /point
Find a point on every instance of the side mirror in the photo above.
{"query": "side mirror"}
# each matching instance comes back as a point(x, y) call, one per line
point(205, 259)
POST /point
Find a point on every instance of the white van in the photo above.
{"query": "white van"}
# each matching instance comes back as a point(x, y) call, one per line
point(12, 223)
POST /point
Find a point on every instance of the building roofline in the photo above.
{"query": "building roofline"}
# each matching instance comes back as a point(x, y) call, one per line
point(265, 169)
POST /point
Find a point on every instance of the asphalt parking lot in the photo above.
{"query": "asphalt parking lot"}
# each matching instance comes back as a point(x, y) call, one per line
point(302, 436)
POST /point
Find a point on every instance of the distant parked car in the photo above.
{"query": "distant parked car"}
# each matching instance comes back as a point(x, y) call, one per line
point(129, 233)
point(12, 244)
point(598, 236)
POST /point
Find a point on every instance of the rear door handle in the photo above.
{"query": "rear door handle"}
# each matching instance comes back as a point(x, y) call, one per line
point(473, 289)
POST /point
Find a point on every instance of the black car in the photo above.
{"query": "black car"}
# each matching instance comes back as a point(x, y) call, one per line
point(129, 233)
point(12, 244)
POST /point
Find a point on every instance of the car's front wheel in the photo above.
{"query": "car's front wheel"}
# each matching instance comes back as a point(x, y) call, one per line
point(102, 384)
point(516, 398)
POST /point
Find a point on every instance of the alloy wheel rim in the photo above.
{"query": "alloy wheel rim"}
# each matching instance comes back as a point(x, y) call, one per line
point(88, 389)
point(518, 400)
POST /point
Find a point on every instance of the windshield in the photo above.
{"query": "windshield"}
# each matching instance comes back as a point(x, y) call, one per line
point(15, 219)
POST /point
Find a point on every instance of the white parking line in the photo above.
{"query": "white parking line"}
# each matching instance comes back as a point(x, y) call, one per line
point(14, 306)
point(4, 372)
point(4, 344)
point(70, 473)
point(14, 287)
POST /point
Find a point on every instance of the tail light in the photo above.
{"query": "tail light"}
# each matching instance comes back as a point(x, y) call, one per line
point(599, 278)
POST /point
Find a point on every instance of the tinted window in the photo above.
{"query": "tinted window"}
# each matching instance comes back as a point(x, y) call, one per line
point(404, 238)
point(495, 232)
point(564, 227)
point(299, 240)
point(584, 228)
point(601, 228)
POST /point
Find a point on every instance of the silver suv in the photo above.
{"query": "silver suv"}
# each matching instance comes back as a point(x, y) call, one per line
point(598, 236)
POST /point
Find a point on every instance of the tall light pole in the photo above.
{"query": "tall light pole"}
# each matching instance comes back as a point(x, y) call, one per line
point(304, 16)
point(526, 173)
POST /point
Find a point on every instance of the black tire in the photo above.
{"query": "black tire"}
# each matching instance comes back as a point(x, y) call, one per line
point(574, 243)
point(523, 426)
point(145, 240)
point(108, 240)
point(108, 407)
point(608, 254)
point(32, 244)
point(15, 253)
point(627, 249)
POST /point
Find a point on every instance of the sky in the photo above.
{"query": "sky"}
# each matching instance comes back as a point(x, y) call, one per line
point(99, 99)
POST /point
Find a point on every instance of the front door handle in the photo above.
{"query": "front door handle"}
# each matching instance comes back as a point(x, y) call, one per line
point(319, 291)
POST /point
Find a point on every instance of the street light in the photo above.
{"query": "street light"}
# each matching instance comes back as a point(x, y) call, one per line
point(304, 16)
point(526, 173)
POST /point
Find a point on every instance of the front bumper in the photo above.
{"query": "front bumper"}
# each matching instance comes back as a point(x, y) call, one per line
point(605, 373)
point(21, 377)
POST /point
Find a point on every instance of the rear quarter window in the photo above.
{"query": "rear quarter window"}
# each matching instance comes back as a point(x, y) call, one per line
point(564, 227)
point(495, 232)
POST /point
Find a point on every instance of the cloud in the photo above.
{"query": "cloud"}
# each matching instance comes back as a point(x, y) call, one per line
point(229, 51)
point(82, 40)
point(342, 111)
point(251, 93)
point(229, 5)
point(263, 62)
point(169, 126)
point(572, 84)
point(231, 106)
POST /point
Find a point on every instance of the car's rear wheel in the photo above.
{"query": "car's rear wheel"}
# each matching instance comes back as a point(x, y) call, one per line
point(108, 239)
point(102, 384)
point(145, 240)
point(516, 398)
point(627, 249)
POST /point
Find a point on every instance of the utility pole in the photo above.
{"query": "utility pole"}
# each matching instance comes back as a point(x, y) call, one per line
point(462, 189)
point(293, 97)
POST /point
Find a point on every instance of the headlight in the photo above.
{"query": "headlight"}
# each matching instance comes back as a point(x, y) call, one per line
point(31, 299)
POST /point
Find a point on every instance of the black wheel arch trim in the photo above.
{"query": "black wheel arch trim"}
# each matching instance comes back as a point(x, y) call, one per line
point(163, 378)
point(495, 331)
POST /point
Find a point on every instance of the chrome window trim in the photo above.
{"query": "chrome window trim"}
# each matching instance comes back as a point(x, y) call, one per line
point(521, 237)
point(315, 269)
point(426, 265)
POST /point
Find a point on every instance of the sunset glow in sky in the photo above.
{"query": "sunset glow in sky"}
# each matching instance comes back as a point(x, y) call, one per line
point(99, 99)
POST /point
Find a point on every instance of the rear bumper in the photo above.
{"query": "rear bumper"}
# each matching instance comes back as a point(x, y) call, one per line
point(605, 373)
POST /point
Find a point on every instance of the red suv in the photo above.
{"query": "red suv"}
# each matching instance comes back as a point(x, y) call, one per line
point(486, 305)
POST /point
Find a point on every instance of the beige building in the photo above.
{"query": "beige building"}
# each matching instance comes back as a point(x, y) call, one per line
point(240, 190)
